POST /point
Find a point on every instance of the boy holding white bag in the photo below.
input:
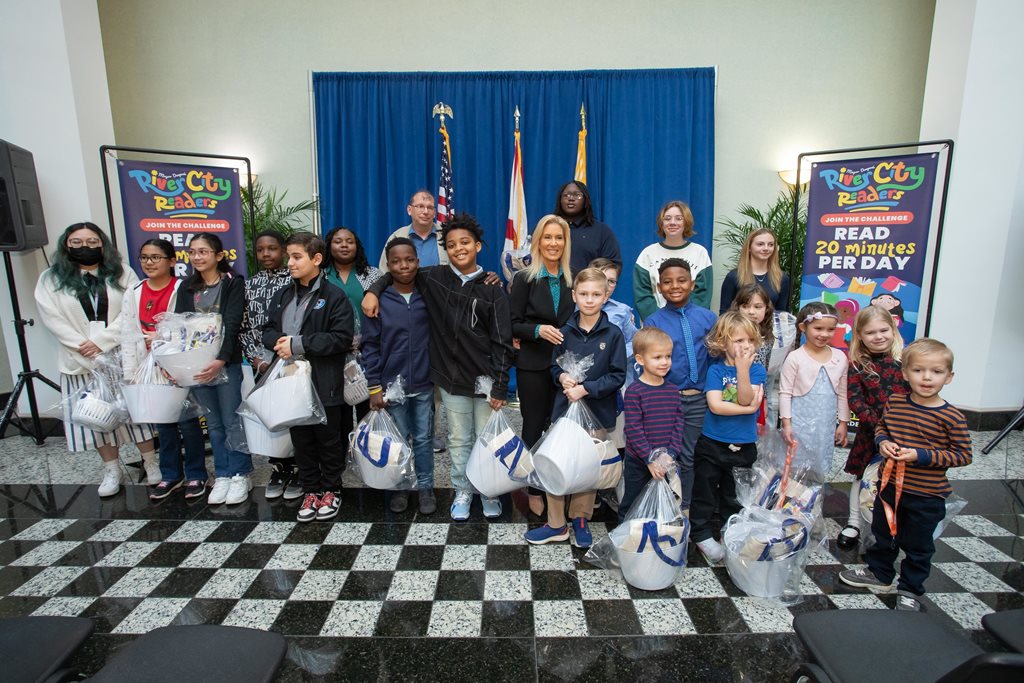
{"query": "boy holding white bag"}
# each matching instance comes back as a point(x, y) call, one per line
point(313, 318)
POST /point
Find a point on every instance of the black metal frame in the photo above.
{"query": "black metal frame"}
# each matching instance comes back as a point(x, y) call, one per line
point(879, 148)
point(27, 375)
point(104, 149)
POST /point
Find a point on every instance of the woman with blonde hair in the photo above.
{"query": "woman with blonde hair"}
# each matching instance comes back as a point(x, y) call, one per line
point(675, 228)
point(758, 264)
point(540, 301)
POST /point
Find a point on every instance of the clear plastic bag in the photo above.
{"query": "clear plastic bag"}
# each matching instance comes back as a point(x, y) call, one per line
point(356, 388)
point(379, 454)
point(100, 407)
point(774, 482)
point(285, 397)
point(869, 491)
point(785, 331)
point(395, 392)
point(765, 550)
point(186, 344)
point(151, 398)
point(649, 547)
point(569, 456)
point(499, 462)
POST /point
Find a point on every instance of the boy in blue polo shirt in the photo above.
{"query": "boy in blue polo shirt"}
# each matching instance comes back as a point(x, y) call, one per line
point(686, 324)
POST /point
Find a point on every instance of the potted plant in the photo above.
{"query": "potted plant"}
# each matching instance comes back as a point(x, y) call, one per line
point(271, 213)
point(778, 217)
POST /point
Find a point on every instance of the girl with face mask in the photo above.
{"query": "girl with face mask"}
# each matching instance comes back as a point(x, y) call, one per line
point(79, 299)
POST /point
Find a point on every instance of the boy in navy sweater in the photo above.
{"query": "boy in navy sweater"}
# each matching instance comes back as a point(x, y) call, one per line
point(654, 415)
point(588, 333)
point(397, 343)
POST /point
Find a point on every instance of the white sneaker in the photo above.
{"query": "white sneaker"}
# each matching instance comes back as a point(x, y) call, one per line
point(241, 484)
point(153, 475)
point(111, 483)
point(712, 549)
point(219, 493)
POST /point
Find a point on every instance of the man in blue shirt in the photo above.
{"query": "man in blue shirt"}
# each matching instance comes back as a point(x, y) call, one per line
point(423, 231)
point(687, 324)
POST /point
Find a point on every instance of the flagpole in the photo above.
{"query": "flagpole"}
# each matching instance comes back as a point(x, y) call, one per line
point(445, 200)
point(580, 173)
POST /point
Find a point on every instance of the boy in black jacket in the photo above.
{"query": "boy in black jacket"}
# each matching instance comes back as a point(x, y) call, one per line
point(588, 333)
point(470, 336)
point(312, 318)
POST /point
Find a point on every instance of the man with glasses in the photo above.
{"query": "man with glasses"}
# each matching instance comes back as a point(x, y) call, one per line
point(423, 231)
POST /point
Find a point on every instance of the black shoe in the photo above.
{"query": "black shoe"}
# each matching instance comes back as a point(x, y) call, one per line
point(164, 489)
point(399, 501)
point(428, 502)
point(847, 541)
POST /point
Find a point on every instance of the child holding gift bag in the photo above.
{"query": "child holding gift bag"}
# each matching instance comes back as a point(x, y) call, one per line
point(588, 333)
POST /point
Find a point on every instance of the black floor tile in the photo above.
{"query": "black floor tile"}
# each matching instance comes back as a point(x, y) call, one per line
point(302, 618)
point(97, 651)
point(182, 583)
point(231, 532)
point(308, 533)
point(12, 577)
point(107, 613)
point(1011, 573)
point(273, 584)
point(508, 557)
point(421, 557)
point(204, 611)
point(460, 585)
point(989, 497)
point(168, 555)
point(386, 533)
point(555, 585)
point(251, 556)
point(81, 530)
point(157, 530)
point(404, 618)
point(94, 581)
point(1011, 545)
point(467, 534)
point(87, 554)
point(507, 619)
point(1002, 601)
point(611, 618)
point(366, 586)
point(714, 615)
point(12, 550)
point(17, 606)
point(334, 557)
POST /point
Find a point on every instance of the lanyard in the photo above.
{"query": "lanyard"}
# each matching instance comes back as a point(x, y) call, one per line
point(887, 471)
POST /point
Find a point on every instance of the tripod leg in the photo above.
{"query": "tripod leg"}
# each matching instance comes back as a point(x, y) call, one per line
point(12, 404)
point(1000, 436)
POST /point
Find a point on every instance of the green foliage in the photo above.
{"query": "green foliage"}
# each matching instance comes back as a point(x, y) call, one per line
point(273, 214)
point(779, 219)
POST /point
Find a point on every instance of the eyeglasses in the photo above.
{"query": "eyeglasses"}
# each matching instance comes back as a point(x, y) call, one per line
point(423, 207)
point(200, 252)
point(572, 195)
point(152, 259)
point(92, 242)
point(612, 282)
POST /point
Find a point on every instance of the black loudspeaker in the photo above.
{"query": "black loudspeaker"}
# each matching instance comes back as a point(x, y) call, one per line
point(21, 210)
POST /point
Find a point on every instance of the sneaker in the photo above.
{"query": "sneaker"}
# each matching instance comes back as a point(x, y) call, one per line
point(545, 534)
point(310, 504)
point(492, 507)
point(163, 489)
point(329, 505)
point(399, 501)
point(293, 490)
point(241, 484)
point(439, 444)
point(195, 488)
point(428, 502)
point(908, 602)
point(863, 578)
point(712, 550)
point(848, 537)
point(279, 479)
point(219, 493)
point(460, 506)
point(111, 482)
point(152, 467)
point(581, 536)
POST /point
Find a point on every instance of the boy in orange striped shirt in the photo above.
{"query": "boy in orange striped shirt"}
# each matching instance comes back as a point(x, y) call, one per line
point(920, 436)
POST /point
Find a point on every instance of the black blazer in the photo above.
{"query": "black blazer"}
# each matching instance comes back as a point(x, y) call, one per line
point(531, 305)
point(326, 331)
point(232, 309)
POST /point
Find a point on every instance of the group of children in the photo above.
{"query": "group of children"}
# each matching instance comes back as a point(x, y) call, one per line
point(700, 392)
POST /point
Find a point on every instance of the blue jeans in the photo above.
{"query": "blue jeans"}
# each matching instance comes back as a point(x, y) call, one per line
point(467, 416)
point(221, 401)
point(187, 433)
point(415, 421)
point(694, 409)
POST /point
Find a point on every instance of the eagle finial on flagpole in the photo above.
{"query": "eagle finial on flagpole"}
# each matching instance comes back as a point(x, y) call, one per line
point(441, 109)
point(583, 117)
point(517, 117)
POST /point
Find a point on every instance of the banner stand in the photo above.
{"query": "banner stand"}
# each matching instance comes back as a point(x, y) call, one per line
point(938, 146)
point(112, 150)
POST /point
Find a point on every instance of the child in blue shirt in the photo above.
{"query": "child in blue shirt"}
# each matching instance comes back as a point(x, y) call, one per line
point(734, 389)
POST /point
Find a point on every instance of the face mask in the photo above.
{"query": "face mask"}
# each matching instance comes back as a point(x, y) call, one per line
point(86, 256)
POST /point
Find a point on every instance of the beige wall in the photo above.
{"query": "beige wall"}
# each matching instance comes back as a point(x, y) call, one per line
point(232, 76)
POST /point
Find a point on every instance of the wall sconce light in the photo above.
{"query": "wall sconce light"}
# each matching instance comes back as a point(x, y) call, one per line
point(243, 180)
point(788, 176)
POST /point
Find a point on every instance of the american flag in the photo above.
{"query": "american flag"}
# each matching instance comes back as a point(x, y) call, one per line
point(445, 191)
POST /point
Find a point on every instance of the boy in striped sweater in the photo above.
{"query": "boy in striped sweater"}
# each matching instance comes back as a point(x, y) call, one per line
point(920, 436)
point(654, 415)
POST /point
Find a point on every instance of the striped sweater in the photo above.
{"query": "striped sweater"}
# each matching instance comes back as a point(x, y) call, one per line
point(938, 434)
point(654, 419)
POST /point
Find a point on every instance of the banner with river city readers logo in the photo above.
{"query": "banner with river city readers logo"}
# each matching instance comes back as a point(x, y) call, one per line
point(868, 223)
point(175, 201)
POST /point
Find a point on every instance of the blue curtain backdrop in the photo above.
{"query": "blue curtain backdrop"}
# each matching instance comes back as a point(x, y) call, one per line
point(650, 140)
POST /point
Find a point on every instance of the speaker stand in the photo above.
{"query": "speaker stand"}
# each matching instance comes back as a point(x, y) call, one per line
point(26, 376)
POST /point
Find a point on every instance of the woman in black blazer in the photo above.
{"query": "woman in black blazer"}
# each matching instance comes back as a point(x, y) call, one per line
point(541, 302)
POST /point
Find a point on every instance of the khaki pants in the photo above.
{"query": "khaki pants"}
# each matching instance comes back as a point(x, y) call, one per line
point(580, 505)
